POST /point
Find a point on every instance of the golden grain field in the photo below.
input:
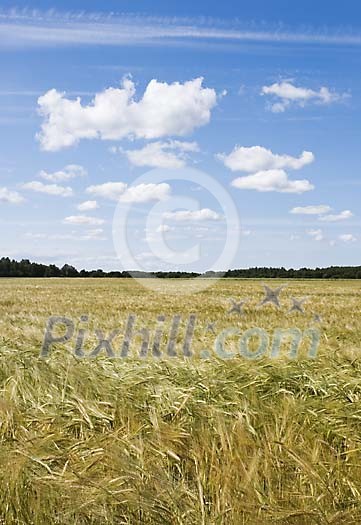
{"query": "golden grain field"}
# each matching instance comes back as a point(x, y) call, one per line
point(175, 440)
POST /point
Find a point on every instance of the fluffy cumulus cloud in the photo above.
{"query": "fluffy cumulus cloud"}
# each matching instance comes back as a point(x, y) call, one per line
point(49, 189)
point(169, 154)
point(10, 197)
point(108, 190)
point(257, 158)
point(119, 191)
point(145, 193)
point(164, 110)
point(272, 180)
point(83, 220)
point(311, 210)
point(69, 172)
point(87, 206)
point(205, 214)
point(267, 169)
point(342, 216)
point(286, 94)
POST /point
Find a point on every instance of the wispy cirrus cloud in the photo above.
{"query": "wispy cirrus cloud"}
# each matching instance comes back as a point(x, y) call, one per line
point(96, 234)
point(19, 28)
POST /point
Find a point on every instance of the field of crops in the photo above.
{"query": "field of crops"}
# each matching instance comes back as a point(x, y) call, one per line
point(97, 431)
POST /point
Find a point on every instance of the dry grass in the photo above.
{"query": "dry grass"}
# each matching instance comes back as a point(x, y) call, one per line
point(177, 441)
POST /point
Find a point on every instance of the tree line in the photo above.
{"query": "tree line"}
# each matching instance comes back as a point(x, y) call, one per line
point(25, 268)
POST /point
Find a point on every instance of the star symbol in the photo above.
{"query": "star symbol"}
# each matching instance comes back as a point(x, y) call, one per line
point(210, 328)
point(237, 307)
point(271, 296)
point(297, 305)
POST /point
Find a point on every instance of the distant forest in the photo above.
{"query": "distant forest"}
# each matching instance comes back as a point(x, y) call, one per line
point(25, 268)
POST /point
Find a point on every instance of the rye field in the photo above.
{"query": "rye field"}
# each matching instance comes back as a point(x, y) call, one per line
point(153, 436)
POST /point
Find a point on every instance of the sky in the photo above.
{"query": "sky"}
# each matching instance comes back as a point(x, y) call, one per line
point(181, 136)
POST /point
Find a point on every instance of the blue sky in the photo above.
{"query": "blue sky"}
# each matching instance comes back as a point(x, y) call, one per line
point(275, 122)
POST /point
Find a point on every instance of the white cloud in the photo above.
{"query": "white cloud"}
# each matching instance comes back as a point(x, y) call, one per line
point(87, 206)
point(267, 169)
point(108, 190)
point(164, 228)
point(311, 210)
point(272, 180)
point(342, 216)
point(288, 94)
point(119, 191)
point(317, 235)
point(49, 189)
point(322, 210)
point(10, 197)
point(96, 235)
point(70, 171)
point(83, 219)
point(241, 90)
point(146, 193)
point(170, 154)
point(347, 237)
point(204, 214)
point(258, 158)
point(165, 109)
point(31, 235)
point(25, 28)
